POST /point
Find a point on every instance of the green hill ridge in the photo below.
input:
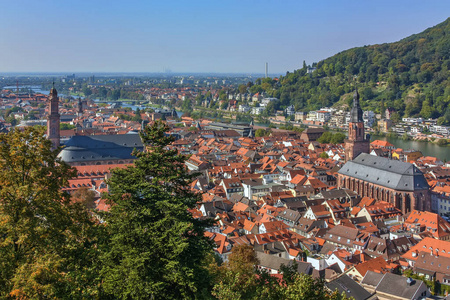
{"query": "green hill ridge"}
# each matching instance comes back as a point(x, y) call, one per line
point(411, 76)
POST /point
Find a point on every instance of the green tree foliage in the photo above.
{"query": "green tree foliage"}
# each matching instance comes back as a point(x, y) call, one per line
point(47, 241)
point(66, 126)
point(156, 247)
point(186, 105)
point(305, 287)
point(224, 105)
point(114, 93)
point(260, 132)
point(84, 196)
point(242, 89)
point(236, 279)
point(333, 138)
point(442, 142)
point(324, 155)
point(87, 91)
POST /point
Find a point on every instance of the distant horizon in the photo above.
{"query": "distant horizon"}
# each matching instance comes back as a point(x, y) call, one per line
point(134, 72)
point(200, 36)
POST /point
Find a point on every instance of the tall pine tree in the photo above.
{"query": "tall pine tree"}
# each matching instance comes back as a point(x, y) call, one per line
point(156, 247)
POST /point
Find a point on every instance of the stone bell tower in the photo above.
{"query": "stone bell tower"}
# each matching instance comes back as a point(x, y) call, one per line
point(357, 141)
point(54, 118)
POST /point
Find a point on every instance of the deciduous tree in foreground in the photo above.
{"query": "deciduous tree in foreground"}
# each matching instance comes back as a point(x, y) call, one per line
point(46, 240)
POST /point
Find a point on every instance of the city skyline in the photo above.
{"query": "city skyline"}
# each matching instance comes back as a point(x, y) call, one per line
point(199, 36)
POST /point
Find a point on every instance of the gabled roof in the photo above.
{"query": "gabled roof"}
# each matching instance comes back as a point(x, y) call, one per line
point(428, 244)
point(275, 262)
point(397, 285)
point(299, 179)
point(433, 223)
point(344, 284)
point(381, 143)
point(378, 265)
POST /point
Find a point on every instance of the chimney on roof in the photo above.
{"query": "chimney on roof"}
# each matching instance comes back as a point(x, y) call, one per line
point(362, 257)
point(409, 281)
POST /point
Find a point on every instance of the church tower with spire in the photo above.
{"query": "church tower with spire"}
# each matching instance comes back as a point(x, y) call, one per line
point(54, 118)
point(357, 141)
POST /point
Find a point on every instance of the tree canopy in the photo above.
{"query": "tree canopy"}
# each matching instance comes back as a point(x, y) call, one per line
point(333, 138)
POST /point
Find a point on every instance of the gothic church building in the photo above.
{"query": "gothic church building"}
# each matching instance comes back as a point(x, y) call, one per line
point(383, 179)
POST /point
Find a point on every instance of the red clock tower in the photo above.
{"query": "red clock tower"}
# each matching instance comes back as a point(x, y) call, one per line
point(53, 118)
point(357, 141)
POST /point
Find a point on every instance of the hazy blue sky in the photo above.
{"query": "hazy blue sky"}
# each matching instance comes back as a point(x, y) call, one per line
point(199, 36)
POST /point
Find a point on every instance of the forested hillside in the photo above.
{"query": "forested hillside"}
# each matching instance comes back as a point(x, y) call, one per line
point(411, 75)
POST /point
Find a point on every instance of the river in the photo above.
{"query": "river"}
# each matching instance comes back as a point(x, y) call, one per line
point(35, 88)
point(427, 148)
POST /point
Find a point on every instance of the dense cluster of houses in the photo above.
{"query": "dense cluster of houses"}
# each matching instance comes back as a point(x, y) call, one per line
point(357, 221)
point(277, 195)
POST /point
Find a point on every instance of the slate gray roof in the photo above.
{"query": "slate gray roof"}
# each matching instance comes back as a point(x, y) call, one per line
point(290, 215)
point(100, 147)
point(295, 203)
point(326, 248)
point(67, 118)
point(347, 285)
point(397, 285)
point(274, 262)
point(372, 278)
point(386, 172)
point(314, 130)
point(214, 207)
point(337, 194)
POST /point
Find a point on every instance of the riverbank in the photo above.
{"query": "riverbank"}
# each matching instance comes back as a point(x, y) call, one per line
point(427, 148)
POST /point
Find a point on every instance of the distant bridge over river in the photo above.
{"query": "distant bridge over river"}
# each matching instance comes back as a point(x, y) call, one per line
point(128, 101)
